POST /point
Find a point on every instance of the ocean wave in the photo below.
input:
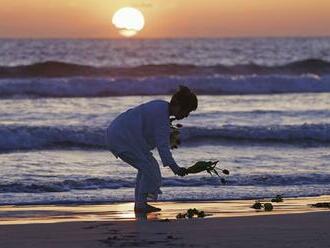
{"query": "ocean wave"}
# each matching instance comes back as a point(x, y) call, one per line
point(43, 137)
point(275, 133)
point(63, 69)
point(209, 85)
point(15, 137)
point(67, 185)
point(194, 181)
point(322, 113)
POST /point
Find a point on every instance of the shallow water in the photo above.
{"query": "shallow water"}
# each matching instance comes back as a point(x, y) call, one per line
point(32, 214)
point(53, 116)
point(67, 176)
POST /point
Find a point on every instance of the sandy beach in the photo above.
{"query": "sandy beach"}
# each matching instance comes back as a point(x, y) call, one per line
point(292, 223)
point(219, 110)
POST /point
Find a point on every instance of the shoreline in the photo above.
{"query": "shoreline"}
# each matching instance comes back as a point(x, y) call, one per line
point(123, 211)
point(233, 224)
point(160, 201)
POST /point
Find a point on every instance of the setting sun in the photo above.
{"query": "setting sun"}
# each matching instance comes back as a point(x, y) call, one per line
point(129, 21)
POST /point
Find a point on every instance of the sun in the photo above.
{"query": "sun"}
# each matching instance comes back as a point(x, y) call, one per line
point(129, 21)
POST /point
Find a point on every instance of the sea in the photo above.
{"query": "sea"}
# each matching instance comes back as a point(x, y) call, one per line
point(263, 112)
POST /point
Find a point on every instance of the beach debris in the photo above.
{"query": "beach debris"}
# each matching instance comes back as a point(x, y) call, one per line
point(180, 216)
point(174, 134)
point(191, 213)
point(257, 205)
point(209, 167)
point(321, 205)
point(266, 206)
point(277, 198)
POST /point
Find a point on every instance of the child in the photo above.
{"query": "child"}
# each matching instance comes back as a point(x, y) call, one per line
point(134, 133)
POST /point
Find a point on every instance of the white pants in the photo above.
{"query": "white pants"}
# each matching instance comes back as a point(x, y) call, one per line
point(148, 180)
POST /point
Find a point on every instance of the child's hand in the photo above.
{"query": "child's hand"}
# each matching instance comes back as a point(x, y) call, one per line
point(181, 172)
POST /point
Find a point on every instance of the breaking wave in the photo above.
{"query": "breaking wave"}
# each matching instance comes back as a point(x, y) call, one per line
point(209, 85)
point(44, 137)
point(63, 69)
point(193, 181)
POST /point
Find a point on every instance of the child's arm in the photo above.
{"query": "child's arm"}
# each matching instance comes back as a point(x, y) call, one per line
point(162, 138)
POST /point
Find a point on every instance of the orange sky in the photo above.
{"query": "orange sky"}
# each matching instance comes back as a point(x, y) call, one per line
point(166, 18)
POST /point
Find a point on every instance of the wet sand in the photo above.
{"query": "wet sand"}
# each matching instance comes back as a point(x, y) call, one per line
point(292, 223)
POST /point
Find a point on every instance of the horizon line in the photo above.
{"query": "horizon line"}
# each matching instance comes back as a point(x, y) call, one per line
point(166, 38)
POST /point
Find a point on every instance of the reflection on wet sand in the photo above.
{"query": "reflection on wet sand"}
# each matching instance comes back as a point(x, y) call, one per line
point(125, 212)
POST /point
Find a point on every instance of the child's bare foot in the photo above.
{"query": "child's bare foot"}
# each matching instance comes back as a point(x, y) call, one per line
point(146, 209)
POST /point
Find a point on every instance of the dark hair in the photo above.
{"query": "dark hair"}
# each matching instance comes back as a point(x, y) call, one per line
point(185, 98)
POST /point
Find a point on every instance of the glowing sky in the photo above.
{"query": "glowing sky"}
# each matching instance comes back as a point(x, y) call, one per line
point(166, 18)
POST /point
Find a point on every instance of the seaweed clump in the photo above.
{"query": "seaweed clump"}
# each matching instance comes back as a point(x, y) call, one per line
point(278, 198)
point(209, 167)
point(257, 205)
point(191, 213)
point(321, 205)
point(266, 206)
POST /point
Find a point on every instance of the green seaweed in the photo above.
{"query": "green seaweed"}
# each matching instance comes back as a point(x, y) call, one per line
point(268, 207)
point(257, 205)
point(209, 167)
point(321, 205)
point(191, 213)
point(200, 166)
point(278, 198)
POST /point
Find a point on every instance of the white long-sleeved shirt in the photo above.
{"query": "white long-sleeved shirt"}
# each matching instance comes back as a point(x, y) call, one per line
point(141, 129)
